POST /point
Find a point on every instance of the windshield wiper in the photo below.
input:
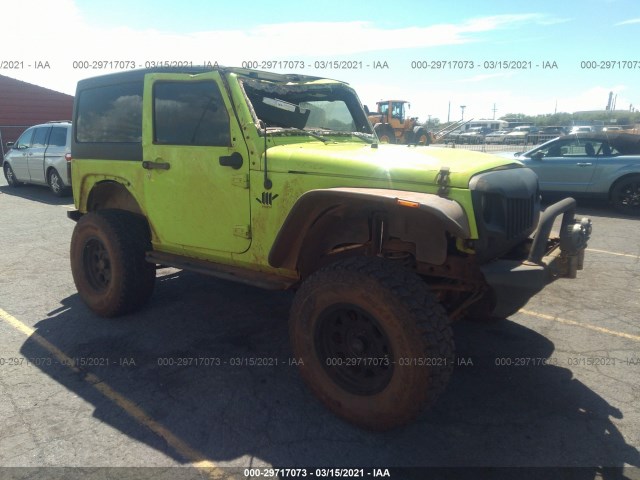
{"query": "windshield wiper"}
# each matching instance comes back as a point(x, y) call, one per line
point(299, 130)
point(366, 137)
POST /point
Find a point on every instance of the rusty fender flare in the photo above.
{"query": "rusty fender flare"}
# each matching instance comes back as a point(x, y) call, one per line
point(448, 214)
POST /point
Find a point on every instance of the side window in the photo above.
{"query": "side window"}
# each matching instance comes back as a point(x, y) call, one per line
point(555, 150)
point(582, 148)
point(25, 139)
point(110, 114)
point(397, 111)
point(58, 137)
point(190, 113)
point(40, 137)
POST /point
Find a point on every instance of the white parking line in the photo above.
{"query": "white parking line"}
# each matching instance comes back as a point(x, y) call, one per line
point(595, 250)
point(582, 325)
point(198, 459)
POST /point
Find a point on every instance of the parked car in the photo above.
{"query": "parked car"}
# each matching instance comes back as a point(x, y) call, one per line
point(42, 155)
point(518, 136)
point(604, 165)
point(582, 129)
point(452, 137)
point(549, 133)
point(496, 137)
point(474, 135)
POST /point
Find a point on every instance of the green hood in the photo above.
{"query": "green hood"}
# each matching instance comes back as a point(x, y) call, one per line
point(398, 163)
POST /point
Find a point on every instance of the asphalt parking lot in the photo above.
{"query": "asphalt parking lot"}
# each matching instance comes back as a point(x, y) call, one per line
point(556, 385)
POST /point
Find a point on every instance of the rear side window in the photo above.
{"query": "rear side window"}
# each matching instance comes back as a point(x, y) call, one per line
point(58, 137)
point(110, 114)
point(190, 113)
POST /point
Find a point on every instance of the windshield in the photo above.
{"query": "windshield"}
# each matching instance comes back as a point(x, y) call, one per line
point(325, 109)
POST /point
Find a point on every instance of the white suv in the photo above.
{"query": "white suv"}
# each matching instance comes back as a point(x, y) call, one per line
point(42, 155)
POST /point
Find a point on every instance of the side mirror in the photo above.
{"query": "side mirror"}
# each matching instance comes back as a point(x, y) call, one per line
point(538, 156)
point(366, 110)
point(9, 144)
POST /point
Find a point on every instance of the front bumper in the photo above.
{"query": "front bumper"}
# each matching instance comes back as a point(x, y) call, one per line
point(519, 277)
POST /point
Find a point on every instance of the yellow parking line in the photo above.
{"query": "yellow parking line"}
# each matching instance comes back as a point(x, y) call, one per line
point(189, 453)
point(612, 253)
point(583, 325)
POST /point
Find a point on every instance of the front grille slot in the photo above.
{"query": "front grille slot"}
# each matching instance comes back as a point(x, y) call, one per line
point(520, 213)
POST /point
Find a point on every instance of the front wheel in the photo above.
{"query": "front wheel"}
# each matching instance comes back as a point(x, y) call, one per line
point(625, 195)
point(12, 181)
point(375, 344)
point(385, 133)
point(108, 262)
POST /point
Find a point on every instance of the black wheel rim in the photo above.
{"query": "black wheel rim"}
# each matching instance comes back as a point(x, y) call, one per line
point(354, 349)
point(628, 196)
point(97, 265)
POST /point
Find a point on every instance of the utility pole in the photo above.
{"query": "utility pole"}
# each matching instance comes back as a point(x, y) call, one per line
point(494, 111)
point(449, 112)
point(462, 107)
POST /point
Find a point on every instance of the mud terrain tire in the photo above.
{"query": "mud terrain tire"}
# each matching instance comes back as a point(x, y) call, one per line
point(376, 346)
point(108, 262)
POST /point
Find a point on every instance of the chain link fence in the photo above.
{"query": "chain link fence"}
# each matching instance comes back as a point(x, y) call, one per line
point(510, 145)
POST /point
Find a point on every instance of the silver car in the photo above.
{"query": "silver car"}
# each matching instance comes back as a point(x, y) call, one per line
point(42, 155)
point(602, 165)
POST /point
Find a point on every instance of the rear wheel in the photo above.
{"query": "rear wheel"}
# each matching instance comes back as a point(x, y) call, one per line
point(56, 185)
point(375, 344)
point(10, 176)
point(625, 195)
point(108, 262)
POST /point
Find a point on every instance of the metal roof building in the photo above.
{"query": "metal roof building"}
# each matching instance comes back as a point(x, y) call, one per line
point(24, 104)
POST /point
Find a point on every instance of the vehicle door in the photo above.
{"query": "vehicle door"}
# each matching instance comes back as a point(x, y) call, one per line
point(57, 148)
point(566, 165)
point(36, 154)
point(18, 156)
point(196, 184)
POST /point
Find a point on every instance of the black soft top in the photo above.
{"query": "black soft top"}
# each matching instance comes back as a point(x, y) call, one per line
point(138, 75)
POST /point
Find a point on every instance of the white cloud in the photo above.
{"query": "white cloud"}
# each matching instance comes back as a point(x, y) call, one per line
point(61, 35)
point(628, 22)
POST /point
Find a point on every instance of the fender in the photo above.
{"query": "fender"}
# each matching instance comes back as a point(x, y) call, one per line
point(112, 194)
point(342, 216)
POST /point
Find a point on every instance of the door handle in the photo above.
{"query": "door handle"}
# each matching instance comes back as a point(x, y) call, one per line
point(584, 164)
point(234, 161)
point(156, 165)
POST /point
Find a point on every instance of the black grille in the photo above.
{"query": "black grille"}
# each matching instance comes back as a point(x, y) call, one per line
point(507, 209)
point(520, 216)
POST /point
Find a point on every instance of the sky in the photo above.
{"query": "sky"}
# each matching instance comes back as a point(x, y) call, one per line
point(493, 57)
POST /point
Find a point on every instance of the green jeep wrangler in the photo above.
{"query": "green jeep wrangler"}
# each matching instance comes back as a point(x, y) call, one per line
point(279, 181)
